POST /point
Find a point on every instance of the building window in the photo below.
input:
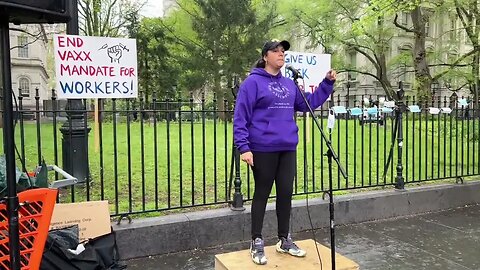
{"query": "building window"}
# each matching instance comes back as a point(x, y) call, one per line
point(404, 18)
point(353, 64)
point(428, 29)
point(468, 41)
point(23, 47)
point(403, 68)
point(453, 31)
point(24, 86)
point(432, 57)
point(403, 73)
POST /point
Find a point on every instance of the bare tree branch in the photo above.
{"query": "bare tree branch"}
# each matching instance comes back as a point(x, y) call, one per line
point(36, 37)
point(26, 44)
point(358, 48)
point(179, 40)
point(106, 17)
point(395, 21)
point(26, 32)
point(360, 72)
point(439, 75)
point(450, 65)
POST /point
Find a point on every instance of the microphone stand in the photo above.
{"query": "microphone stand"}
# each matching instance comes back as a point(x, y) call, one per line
point(400, 109)
point(330, 155)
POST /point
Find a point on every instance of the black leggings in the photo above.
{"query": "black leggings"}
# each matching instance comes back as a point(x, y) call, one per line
point(278, 166)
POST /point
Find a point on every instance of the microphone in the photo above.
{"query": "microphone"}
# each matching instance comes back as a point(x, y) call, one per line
point(295, 72)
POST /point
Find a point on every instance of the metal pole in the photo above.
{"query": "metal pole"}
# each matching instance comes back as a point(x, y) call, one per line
point(400, 183)
point(72, 25)
point(75, 135)
point(237, 202)
point(8, 146)
point(349, 78)
point(331, 207)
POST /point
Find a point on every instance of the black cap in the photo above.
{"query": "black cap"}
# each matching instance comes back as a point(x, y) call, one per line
point(272, 44)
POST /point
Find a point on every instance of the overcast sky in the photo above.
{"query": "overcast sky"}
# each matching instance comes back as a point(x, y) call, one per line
point(153, 8)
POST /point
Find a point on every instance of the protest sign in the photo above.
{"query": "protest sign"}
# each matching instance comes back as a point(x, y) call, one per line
point(95, 67)
point(312, 67)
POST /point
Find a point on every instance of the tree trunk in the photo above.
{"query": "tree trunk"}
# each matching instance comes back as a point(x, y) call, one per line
point(476, 78)
point(382, 61)
point(476, 57)
point(423, 79)
point(382, 74)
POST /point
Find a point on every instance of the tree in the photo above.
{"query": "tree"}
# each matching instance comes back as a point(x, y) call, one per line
point(420, 12)
point(218, 40)
point(366, 27)
point(351, 31)
point(423, 78)
point(468, 12)
point(157, 69)
point(106, 18)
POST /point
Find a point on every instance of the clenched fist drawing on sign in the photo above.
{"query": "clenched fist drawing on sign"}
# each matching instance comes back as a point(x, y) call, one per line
point(115, 52)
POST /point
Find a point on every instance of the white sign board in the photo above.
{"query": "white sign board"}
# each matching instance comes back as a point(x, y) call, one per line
point(95, 67)
point(312, 67)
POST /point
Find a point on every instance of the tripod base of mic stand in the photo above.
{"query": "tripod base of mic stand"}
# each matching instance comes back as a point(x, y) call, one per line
point(241, 260)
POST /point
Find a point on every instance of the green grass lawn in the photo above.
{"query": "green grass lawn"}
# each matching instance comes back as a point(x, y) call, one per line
point(192, 163)
point(433, 149)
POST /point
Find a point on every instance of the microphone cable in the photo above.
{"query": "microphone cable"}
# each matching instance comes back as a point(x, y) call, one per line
point(305, 188)
point(313, 233)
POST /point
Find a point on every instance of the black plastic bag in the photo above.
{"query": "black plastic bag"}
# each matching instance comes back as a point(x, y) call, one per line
point(99, 254)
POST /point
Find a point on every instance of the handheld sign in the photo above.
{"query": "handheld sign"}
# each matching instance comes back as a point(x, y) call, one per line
point(95, 67)
point(312, 67)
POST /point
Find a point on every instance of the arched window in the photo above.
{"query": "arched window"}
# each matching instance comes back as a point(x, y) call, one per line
point(24, 86)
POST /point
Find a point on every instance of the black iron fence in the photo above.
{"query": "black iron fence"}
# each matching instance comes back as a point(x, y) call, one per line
point(150, 155)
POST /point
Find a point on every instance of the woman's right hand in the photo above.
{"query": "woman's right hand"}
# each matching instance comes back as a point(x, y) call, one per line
point(247, 157)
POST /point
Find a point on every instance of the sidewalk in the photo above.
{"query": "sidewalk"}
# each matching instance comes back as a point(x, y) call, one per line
point(442, 240)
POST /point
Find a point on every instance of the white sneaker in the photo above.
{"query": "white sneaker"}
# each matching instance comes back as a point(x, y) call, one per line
point(257, 250)
point(286, 245)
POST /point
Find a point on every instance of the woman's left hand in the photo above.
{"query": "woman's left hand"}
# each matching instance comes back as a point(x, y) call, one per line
point(331, 75)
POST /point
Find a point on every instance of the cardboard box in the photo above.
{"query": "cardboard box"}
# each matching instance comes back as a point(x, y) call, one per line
point(93, 218)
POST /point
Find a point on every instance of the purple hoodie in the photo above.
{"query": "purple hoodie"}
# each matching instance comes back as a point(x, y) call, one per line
point(264, 111)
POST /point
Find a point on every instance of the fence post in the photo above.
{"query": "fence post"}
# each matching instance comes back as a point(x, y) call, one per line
point(37, 120)
point(237, 202)
point(401, 108)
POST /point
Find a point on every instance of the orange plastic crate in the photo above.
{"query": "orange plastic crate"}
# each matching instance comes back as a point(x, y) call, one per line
point(34, 215)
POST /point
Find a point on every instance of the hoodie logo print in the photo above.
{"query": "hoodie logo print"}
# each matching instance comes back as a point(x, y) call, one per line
point(278, 90)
